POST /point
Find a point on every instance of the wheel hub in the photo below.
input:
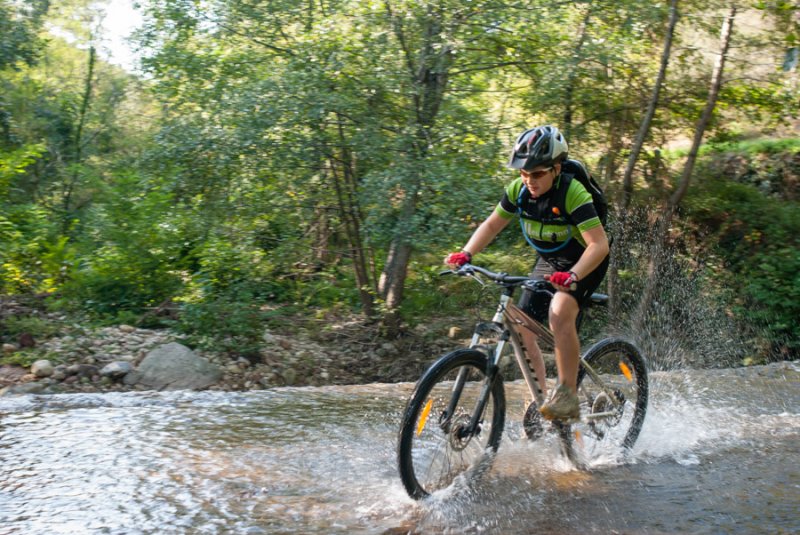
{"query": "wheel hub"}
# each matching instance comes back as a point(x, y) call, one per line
point(603, 403)
point(459, 437)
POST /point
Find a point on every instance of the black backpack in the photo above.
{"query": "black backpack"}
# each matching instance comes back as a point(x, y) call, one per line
point(574, 169)
point(570, 169)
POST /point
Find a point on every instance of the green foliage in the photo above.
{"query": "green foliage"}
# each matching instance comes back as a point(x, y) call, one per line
point(27, 248)
point(19, 23)
point(272, 148)
point(116, 280)
point(132, 260)
point(758, 238)
point(25, 358)
point(39, 327)
point(232, 321)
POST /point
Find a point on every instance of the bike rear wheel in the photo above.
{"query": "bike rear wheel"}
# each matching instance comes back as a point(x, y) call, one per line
point(433, 447)
point(613, 392)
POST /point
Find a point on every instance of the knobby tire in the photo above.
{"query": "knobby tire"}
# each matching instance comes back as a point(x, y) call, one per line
point(431, 454)
point(614, 359)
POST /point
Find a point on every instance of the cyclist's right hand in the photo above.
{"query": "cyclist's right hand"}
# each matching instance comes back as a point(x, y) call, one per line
point(458, 259)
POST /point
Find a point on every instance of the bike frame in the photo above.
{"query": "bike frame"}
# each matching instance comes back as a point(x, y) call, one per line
point(508, 318)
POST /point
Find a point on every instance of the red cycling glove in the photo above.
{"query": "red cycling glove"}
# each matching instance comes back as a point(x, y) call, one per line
point(563, 278)
point(458, 259)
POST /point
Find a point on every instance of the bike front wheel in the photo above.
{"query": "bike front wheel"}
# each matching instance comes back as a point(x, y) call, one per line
point(436, 443)
point(613, 392)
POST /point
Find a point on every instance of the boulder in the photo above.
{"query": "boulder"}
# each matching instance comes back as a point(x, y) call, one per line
point(174, 367)
point(82, 370)
point(42, 368)
point(116, 370)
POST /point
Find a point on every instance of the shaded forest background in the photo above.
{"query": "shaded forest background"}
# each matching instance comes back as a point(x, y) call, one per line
point(271, 162)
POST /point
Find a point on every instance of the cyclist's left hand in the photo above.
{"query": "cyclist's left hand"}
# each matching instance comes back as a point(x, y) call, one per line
point(562, 280)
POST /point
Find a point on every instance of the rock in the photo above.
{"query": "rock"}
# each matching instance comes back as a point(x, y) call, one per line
point(289, 376)
point(116, 370)
point(26, 340)
point(9, 348)
point(269, 338)
point(42, 368)
point(11, 374)
point(174, 367)
point(454, 332)
point(82, 370)
point(285, 344)
point(26, 388)
point(127, 329)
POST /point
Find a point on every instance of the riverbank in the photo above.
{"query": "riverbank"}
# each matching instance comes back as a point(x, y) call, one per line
point(64, 356)
point(333, 352)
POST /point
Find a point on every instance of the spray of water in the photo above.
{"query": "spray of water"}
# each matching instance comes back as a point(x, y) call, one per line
point(682, 320)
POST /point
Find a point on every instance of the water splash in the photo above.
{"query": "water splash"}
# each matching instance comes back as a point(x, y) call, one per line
point(686, 325)
point(316, 460)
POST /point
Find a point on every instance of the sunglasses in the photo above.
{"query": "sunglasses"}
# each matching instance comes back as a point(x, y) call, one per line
point(536, 174)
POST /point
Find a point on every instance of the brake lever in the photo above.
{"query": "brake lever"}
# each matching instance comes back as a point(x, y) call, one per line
point(477, 276)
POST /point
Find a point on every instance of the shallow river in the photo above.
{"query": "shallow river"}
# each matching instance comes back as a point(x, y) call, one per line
point(719, 453)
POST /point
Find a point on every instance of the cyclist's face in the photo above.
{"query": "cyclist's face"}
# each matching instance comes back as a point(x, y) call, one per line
point(539, 180)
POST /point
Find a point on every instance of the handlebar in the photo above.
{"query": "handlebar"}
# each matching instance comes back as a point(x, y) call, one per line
point(501, 278)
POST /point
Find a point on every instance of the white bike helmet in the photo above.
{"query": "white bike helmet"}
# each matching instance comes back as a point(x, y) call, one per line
point(543, 145)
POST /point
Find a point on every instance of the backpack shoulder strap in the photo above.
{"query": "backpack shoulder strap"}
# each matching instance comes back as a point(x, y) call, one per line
point(560, 198)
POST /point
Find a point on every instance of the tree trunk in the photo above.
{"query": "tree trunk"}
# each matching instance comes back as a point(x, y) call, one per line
point(428, 69)
point(322, 237)
point(573, 74)
point(69, 187)
point(346, 187)
point(644, 128)
point(392, 283)
point(663, 225)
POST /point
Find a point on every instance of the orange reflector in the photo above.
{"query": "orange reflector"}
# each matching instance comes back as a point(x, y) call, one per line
point(579, 438)
point(424, 417)
point(626, 371)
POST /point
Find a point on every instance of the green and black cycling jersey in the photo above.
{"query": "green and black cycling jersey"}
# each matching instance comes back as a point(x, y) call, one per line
point(556, 236)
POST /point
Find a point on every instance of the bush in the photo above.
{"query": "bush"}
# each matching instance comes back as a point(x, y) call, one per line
point(115, 281)
point(233, 322)
point(757, 237)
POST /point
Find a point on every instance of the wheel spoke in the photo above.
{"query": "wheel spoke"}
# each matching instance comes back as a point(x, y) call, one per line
point(613, 394)
point(432, 456)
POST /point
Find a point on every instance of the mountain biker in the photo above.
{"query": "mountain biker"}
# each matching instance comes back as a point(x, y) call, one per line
point(573, 250)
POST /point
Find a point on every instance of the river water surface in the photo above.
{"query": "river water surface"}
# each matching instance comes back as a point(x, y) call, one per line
point(719, 453)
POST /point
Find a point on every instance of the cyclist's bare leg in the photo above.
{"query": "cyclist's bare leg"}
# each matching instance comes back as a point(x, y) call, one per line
point(563, 314)
point(535, 357)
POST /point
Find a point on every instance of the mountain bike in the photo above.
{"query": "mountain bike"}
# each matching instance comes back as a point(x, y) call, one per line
point(453, 421)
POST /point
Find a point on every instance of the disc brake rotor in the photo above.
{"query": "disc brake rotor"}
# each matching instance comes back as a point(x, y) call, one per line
point(458, 438)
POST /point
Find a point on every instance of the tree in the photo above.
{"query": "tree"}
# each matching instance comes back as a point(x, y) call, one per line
point(662, 229)
point(636, 148)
